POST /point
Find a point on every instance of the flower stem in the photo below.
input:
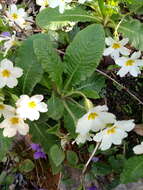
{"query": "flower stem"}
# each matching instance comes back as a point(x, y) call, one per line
point(89, 160)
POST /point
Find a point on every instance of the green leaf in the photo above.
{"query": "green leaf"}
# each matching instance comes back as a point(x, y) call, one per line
point(5, 144)
point(101, 169)
point(49, 59)
point(56, 107)
point(50, 15)
point(40, 135)
point(68, 121)
point(133, 170)
point(26, 166)
point(132, 29)
point(27, 60)
point(57, 155)
point(93, 86)
point(72, 158)
point(84, 53)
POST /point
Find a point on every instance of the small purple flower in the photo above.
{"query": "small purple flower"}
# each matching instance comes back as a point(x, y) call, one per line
point(6, 34)
point(92, 188)
point(35, 147)
point(38, 155)
point(95, 159)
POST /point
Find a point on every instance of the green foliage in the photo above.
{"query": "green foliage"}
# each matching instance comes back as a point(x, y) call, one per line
point(27, 60)
point(41, 136)
point(72, 158)
point(49, 59)
point(49, 15)
point(101, 168)
point(132, 29)
point(55, 106)
point(5, 144)
point(26, 166)
point(84, 53)
point(133, 169)
point(57, 155)
point(68, 120)
point(92, 87)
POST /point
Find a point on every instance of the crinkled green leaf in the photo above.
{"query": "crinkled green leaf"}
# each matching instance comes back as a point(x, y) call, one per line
point(133, 170)
point(55, 106)
point(84, 53)
point(49, 59)
point(132, 29)
point(27, 60)
point(49, 15)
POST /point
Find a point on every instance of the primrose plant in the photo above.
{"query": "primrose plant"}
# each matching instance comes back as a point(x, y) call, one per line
point(53, 81)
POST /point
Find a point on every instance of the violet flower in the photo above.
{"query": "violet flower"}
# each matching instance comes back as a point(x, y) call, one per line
point(92, 188)
point(95, 159)
point(39, 153)
point(6, 34)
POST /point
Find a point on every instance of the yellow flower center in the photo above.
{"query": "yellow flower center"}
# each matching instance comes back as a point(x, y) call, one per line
point(92, 116)
point(111, 131)
point(116, 46)
point(14, 120)
point(15, 16)
point(5, 73)
point(46, 3)
point(1, 107)
point(31, 104)
point(130, 62)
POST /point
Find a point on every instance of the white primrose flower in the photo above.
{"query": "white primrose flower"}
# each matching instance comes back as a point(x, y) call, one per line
point(6, 110)
point(42, 3)
point(14, 125)
point(83, 138)
point(9, 74)
point(29, 107)
point(95, 120)
point(138, 149)
point(18, 16)
point(59, 3)
point(130, 65)
point(116, 48)
point(83, 1)
point(10, 42)
point(114, 134)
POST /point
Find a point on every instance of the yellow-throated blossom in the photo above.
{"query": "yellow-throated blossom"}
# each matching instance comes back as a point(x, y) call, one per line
point(14, 125)
point(9, 74)
point(6, 110)
point(29, 107)
point(10, 41)
point(130, 64)
point(114, 134)
point(18, 16)
point(116, 47)
point(95, 120)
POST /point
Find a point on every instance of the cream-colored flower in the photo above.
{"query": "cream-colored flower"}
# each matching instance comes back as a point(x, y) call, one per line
point(59, 3)
point(14, 125)
point(116, 48)
point(114, 134)
point(95, 120)
point(29, 107)
point(83, 138)
point(9, 74)
point(18, 17)
point(6, 110)
point(10, 41)
point(130, 64)
point(138, 149)
point(42, 3)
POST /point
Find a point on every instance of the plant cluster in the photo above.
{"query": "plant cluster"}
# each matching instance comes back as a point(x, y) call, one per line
point(55, 57)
